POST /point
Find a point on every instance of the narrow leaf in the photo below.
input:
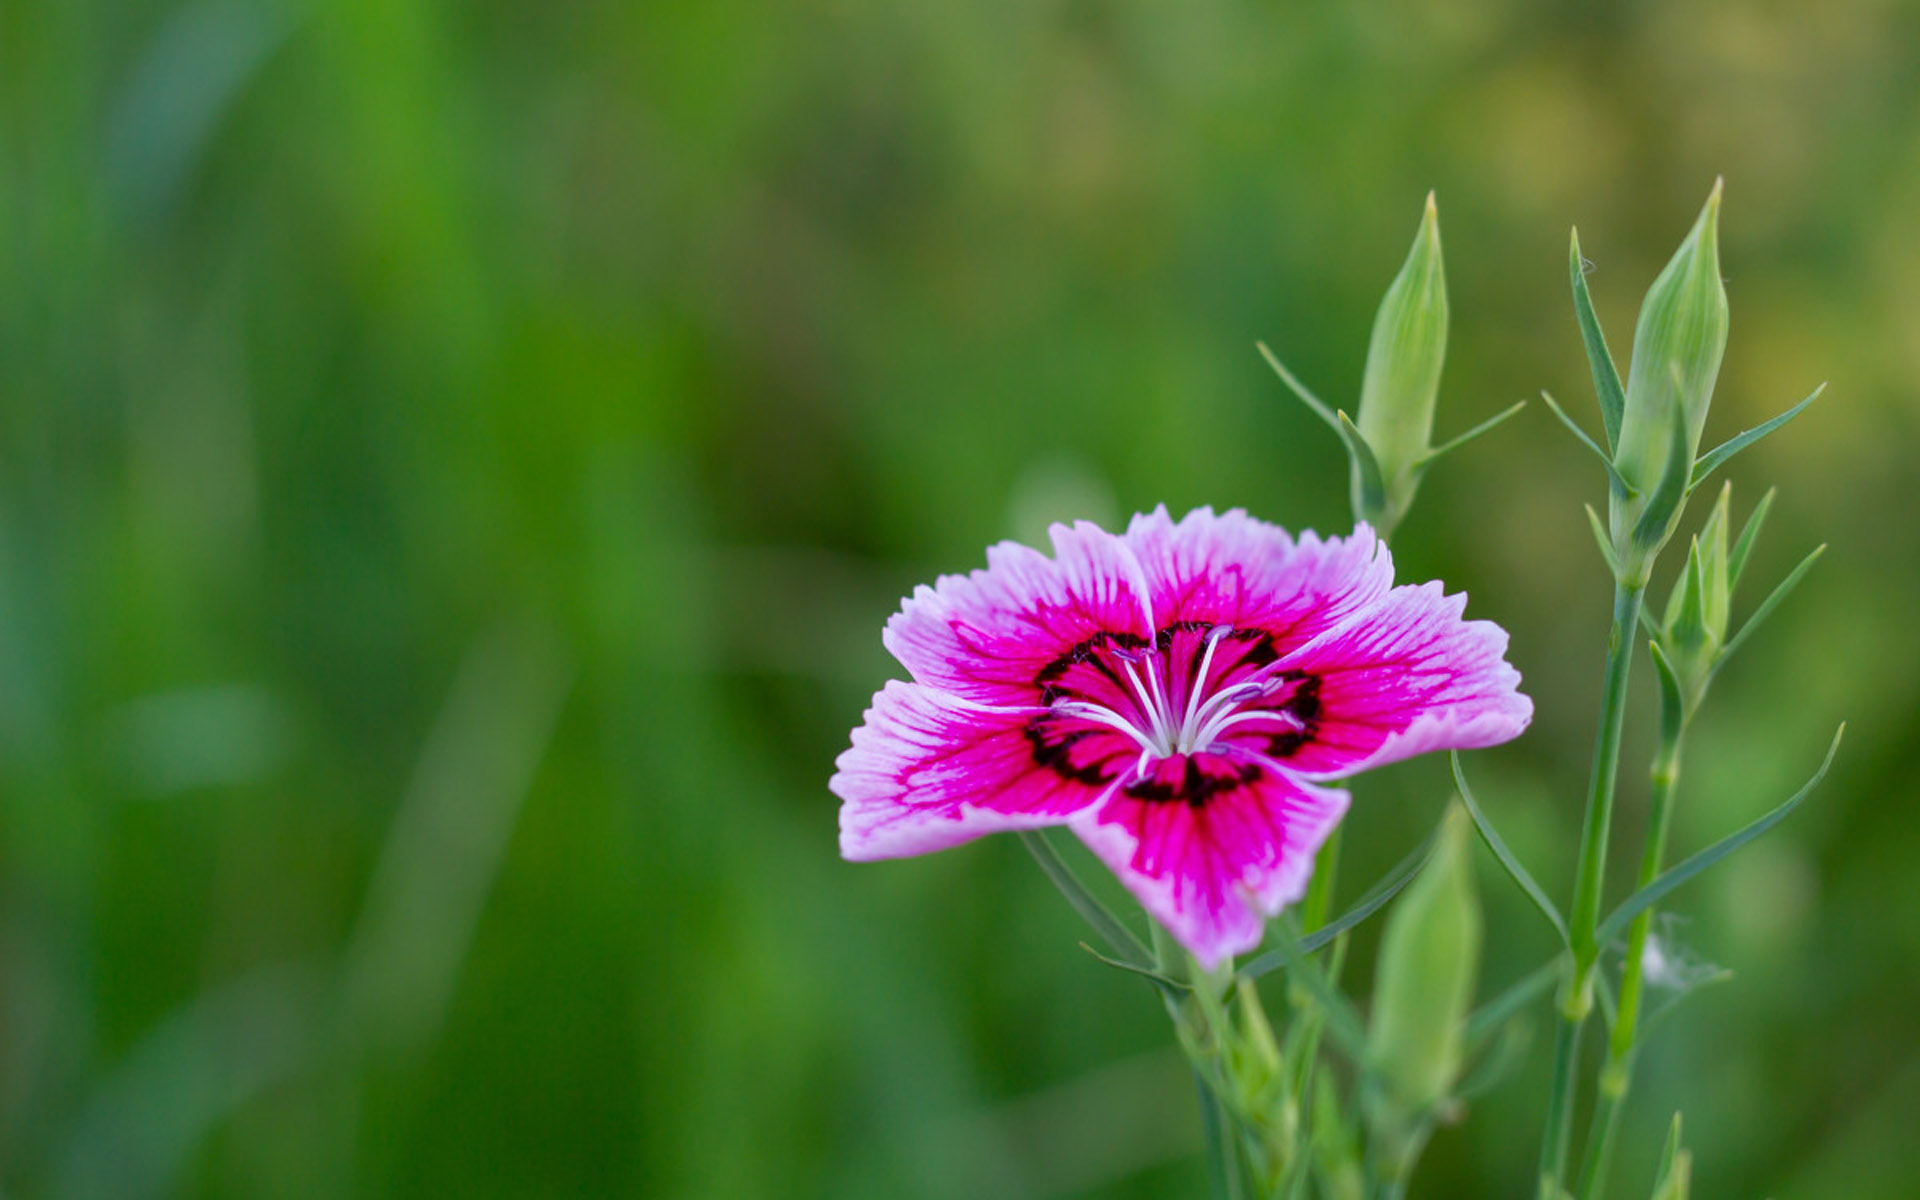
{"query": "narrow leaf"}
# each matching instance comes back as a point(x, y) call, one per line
point(1606, 377)
point(1469, 435)
point(1673, 706)
point(1506, 856)
point(1369, 486)
point(1712, 460)
point(1654, 892)
point(1605, 543)
point(1174, 988)
point(1749, 533)
point(1373, 901)
point(1118, 937)
point(1670, 1154)
point(1299, 389)
point(1772, 601)
point(1613, 474)
point(1489, 1017)
point(1343, 1020)
point(1671, 492)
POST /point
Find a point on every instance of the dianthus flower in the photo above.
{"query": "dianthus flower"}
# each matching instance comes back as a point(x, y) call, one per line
point(1176, 695)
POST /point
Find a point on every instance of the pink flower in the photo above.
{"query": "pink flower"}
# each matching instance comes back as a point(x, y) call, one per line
point(1174, 695)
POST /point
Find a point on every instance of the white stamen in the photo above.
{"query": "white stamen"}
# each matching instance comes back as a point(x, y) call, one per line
point(1252, 689)
point(1103, 715)
point(1148, 709)
point(1198, 683)
point(1218, 726)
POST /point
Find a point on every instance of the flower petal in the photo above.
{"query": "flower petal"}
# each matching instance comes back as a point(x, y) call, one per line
point(1212, 872)
point(987, 635)
point(1232, 569)
point(927, 771)
point(1404, 678)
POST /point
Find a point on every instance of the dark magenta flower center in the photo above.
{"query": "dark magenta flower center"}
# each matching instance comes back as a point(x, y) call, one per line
point(1183, 717)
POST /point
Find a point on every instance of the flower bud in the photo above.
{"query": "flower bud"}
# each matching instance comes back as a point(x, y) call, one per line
point(1404, 358)
point(1700, 607)
point(1429, 959)
point(1677, 348)
point(1676, 1167)
point(1261, 1092)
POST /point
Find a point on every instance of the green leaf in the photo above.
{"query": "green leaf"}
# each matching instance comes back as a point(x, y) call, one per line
point(1772, 601)
point(1606, 377)
point(1606, 547)
point(1469, 435)
point(1671, 1152)
point(1300, 389)
point(1173, 988)
point(1673, 703)
point(1749, 533)
point(1369, 486)
point(1671, 492)
point(1373, 901)
point(1654, 892)
point(1506, 856)
point(1343, 1019)
point(1486, 1020)
point(1613, 475)
point(1711, 461)
point(1118, 937)
point(1676, 1168)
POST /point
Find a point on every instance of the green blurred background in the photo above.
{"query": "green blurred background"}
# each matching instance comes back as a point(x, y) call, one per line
point(455, 462)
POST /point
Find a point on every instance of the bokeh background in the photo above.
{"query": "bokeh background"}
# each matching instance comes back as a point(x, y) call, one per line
point(456, 459)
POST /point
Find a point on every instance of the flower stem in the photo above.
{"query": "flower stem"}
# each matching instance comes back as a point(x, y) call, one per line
point(1223, 1164)
point(1617, 1075)
point(1576, 999)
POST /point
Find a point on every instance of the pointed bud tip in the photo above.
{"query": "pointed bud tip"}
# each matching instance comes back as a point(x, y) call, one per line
point(1710, 212)
point(1430, 223)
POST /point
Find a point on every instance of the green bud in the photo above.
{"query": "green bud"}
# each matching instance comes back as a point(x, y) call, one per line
point(1700, 607)
point(1404, 358)
point(1262, 1095)
point(1429, 959)
point(1335, 1150)
point(1676, 1167)
point(1677, 348)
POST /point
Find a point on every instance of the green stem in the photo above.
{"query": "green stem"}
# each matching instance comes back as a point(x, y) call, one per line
point(1553, 1143)
point(1617, 1075)
point(1577, 998)
point(1310, 1023)
point(1223, 1164)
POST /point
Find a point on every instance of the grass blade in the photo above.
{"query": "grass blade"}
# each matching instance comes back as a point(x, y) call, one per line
point(1606, 377)
point(1613, 474)
point(1711, 461)
point(1373, 901)
point(1749, 533)
point(1486, 1020)
point(1469, 435)
point(1118, 937)
point(1299, 389)
point(1772, 601)
point(1654, 892)
point(1506, 856)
